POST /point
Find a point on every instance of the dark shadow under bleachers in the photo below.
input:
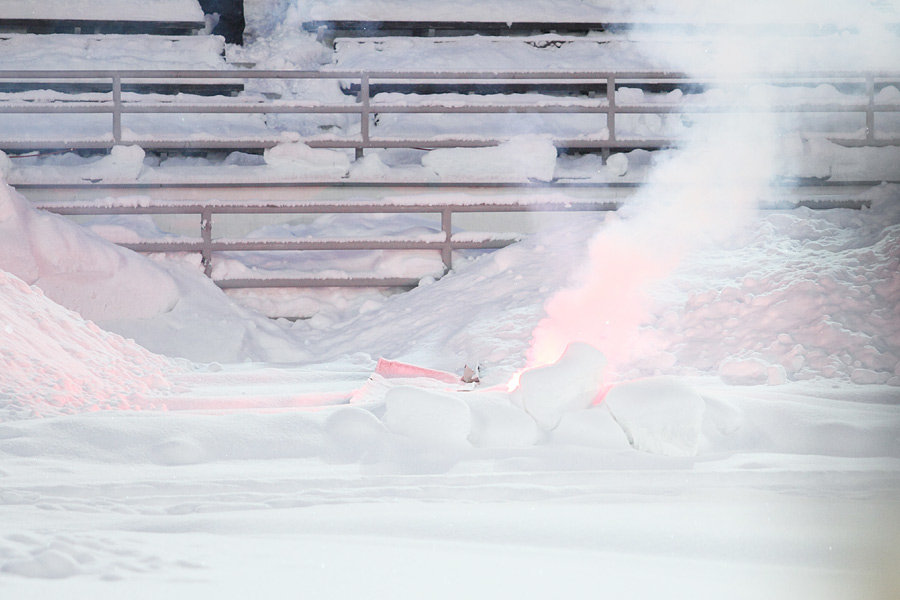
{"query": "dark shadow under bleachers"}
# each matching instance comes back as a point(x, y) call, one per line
point(328, 30)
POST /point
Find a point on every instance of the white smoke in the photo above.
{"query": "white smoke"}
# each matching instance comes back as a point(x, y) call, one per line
point(709, 189)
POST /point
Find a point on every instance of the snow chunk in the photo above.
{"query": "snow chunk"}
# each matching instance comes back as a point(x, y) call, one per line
point(299, 157)
point(428, 415)
point(751, 371)
point(122, 164)
point(868, 377)
point(617, 164)
point(521, 158)
point(659, 415)
point(370, 167)
point(572, 383)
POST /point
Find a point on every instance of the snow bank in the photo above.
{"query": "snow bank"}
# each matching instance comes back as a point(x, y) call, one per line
point(520, 159)
point(77, 269)
point(53, 362)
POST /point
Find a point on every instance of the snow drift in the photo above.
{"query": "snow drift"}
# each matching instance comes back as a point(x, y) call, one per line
point(77, 269)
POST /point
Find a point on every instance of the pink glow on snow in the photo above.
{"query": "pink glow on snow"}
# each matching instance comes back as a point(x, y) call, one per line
point(608, 308)
point(514, 381)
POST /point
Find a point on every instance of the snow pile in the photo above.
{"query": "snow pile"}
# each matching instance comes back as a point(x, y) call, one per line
point(799, 295)
point(520, 159)
point(53, 362)
point(77, 269)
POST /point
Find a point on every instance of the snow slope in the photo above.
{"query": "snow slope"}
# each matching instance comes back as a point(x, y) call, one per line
point(169, 307)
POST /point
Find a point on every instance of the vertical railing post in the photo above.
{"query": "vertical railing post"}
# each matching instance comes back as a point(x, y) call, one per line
point(363, 114)
point(206, 237)
point(447, 247)
point(117, 108)
point(870, 109)
point(610, 115)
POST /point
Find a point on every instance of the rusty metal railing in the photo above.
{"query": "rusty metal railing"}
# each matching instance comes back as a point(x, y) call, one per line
point(864, 102)
point(443, 241)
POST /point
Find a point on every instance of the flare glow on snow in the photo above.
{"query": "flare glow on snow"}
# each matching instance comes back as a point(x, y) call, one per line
point(701, 196)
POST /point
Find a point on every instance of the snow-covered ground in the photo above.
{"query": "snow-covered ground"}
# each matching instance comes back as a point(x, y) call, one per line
point(691, 397)
point(125, 472)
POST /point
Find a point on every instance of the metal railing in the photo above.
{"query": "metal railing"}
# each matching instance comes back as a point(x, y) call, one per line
point(443, 241)
point(862, 102)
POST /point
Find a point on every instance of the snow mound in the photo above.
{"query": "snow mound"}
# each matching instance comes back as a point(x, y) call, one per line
point(77, 269)
point(53, 362)
point(572, 383)
point(658, 415)
point(522, 158)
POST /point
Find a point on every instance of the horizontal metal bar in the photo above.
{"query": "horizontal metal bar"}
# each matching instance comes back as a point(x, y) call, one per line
point(56, 108)
point(487, 244)
point(164, 246)
point(57, 144)
point(261, 108)
point(561, 108)
point(324, 244)
point(315, 282)
point(399, 207)
point(769, 76)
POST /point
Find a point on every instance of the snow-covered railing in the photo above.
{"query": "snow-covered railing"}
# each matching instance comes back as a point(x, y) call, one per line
point(444, 241)
point(866, 101)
